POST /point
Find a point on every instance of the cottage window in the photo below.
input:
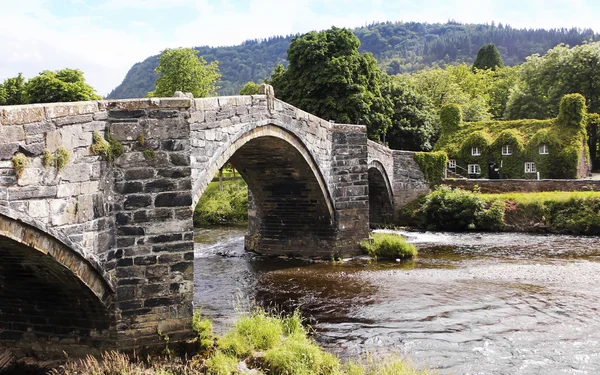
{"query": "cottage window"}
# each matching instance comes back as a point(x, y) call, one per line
point(476, 151)
point(474, 169)
point(544, 149)
point(507, 150)
point(530, 168)
point(452, 163)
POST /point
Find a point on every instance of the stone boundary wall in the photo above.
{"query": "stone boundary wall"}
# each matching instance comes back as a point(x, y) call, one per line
point(525, 186)
point(409, 182)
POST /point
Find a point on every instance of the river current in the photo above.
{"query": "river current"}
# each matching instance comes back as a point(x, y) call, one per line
point(469, 304)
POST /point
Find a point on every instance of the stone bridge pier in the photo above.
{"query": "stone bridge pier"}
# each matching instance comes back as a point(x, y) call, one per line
point(99, 254)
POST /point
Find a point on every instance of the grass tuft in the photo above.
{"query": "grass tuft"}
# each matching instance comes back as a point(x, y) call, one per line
point(388, 246)
point(61, 158)
point(20, 162)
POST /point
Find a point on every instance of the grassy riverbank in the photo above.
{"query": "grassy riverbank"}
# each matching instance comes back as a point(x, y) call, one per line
point(553, 212)
point(223, 207)
point(258, 343)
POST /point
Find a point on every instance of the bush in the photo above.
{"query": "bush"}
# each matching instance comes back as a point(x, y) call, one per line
point(388, 246)
point(229, 206)
point(203, 329)
point(448, 209)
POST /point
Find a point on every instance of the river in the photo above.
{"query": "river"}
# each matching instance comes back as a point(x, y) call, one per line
point(469, 304)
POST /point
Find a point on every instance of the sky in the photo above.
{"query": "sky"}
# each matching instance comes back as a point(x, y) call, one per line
point(104, 38)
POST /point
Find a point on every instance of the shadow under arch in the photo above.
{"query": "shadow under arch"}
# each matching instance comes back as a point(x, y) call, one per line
point(49, 292)
point(381, 196)
point(290, 208)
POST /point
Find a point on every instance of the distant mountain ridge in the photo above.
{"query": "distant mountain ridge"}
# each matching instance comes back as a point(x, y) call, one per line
point(398, 46)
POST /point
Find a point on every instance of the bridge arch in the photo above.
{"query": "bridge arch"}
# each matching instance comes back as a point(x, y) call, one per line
point(291, 206)
point(49, 291)
point(381, 195)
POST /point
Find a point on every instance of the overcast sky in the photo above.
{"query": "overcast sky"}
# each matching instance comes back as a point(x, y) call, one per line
point(105, 37)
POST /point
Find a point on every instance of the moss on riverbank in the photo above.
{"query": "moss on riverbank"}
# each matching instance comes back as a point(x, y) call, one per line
point(552, 212)
point(226, 207)
point(258, 343)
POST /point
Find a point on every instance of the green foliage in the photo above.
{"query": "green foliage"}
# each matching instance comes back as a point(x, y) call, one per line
point(229, 206)
point(149, 154)
point(141, 140)
point(108, 147)
point(456, 209)
point(61, 158)
point(47, 158)
point(433, 165)
point(558, 212)
point(66, 85)
point(413, 123)
point(20, 162)
point(546, 79)
point(400, 47)
point(488, 57)
point(181, 69)
point(572, 111)
point(298, 355)
point(203, 328)
point(221, 364)
point(592, 126)
point(13, 91)
point(450, 117)
point(328, 76)
point(388, 246)
point(250, 88)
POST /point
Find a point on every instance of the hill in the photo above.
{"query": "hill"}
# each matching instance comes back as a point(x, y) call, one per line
point(398, 46)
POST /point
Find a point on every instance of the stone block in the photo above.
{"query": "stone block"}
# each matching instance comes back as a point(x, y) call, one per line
point(53, 140)
point(133, 202)
point(55, 110)
point(76, 173)
point(173, 200)
point(23, 114)
point(70, 120)
point(11, 134)
point(7, 151)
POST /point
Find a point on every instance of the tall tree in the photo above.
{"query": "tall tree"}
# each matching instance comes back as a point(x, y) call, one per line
point(66, 85)
point(488, 57)
point(413, 121)
point(181, 69)
point(14, 90)
point(329, 77)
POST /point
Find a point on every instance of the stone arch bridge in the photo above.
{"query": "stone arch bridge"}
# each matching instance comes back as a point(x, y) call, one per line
point(100, 254)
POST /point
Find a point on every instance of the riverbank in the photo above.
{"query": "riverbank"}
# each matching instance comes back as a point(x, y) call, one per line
point(540, 212)
point(258, 343)
point(223, 206)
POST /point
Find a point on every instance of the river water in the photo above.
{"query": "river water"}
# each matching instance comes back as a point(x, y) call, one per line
point(469, 304)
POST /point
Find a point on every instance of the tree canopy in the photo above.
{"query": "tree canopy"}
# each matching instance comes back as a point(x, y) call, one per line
point(66, 85)
point(329, 77)
point(250, 88)
point(180, 69)
point(488, 57)
point(12, 91)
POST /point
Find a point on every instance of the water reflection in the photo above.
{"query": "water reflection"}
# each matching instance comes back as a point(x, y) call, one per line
point(470, 304)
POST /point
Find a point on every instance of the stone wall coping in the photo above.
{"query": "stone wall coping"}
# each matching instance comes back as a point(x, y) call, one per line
point(349, 128)
point(403, 152)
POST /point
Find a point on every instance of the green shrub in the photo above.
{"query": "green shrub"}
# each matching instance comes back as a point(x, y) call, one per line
point(298, 355)
point(450, 117)
point(61, 158)
point(433, 166)
point(203, 329)
point(20, 162)
point(229, 206)
point(47, 158)
point(388, 246)
point(456, 209)
point(221, 364)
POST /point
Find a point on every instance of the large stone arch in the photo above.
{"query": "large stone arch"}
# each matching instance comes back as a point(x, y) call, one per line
point(381, 195)
point(49, 291)
point(291, 205)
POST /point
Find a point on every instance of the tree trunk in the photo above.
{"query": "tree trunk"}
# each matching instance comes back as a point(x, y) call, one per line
point(221, 179)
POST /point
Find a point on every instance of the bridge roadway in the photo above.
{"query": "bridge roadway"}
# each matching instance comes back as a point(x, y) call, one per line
point(100, 254)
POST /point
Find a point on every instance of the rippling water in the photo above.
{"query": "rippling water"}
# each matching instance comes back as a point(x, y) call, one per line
point(469, 304)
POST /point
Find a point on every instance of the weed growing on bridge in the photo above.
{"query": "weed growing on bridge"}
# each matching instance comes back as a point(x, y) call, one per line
point(388, 246)
point(141, 140)
point(61, 157)
point(47, 158)
point(20, 162)
point(149, 155)
point(108, 147)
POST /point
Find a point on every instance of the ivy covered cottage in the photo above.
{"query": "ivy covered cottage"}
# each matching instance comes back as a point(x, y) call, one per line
point(520, 149)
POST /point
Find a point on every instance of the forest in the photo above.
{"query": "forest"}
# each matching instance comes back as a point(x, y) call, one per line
point(399, 47)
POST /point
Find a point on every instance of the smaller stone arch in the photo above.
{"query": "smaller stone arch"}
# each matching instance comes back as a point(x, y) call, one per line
point(49, 291)
point(381, 195)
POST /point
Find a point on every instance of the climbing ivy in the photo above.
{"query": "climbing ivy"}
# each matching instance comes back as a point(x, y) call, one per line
point(433, 166)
